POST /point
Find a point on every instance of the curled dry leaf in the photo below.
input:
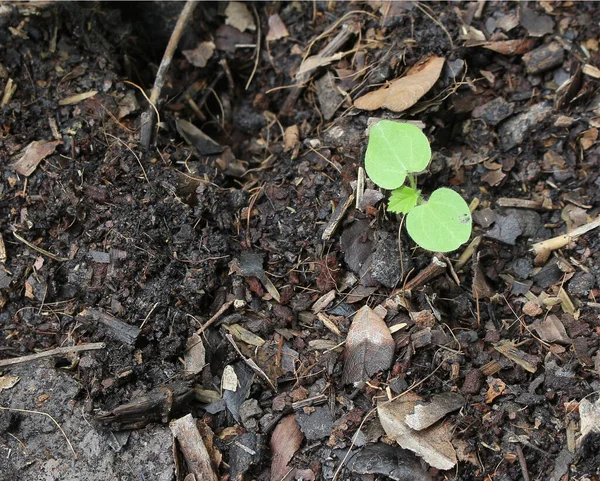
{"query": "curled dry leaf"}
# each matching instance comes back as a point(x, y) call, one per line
point(404, 92)
point(285, 441)
point(369, 347)
point(277, 28)
point(509, 47)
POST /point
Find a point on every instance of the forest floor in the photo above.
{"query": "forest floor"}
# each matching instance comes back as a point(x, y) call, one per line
point(219, 273)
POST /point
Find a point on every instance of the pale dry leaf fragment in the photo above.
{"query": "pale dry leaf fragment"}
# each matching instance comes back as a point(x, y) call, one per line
point(404, 92)
point(432, 444)
point(245, 335)
point(589, 414)
point(426, 415)
point(509, 47)
point(551, 329)
point(8, 382)
point(34, 153)
point(285, 441)
point(2, 250)
point(200, 55)
point(238, 16)
point(229, 381)
point(128, 104)
point(195, 355)
point(277, 28)
point(75, 99)
point(495, 389)
point(509, 349)
point(369, 347)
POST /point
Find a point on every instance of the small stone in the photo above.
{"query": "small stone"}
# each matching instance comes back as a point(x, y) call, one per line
point(248, 411)
point(514, 131)
point(279, 402)
point(316, 425)
point(506, 229)
point(521, 267)
point(581, 284)
point(386, 266)
point(494, 111)
point(484, 217)
point(473, 382)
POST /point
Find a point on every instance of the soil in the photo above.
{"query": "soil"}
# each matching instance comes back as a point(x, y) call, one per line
point(105, 242)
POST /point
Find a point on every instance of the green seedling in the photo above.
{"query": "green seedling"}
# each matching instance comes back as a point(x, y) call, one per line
point(395, 153)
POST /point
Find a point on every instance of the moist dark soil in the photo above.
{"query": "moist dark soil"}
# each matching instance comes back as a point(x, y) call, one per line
point(138, 249)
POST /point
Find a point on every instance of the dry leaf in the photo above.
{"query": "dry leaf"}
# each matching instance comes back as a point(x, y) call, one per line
point(199, 56)
point(238, 16)
point(426, 415)
point(526, 361)
point(229, 381)
point(291, 138)
point(404, 92)
point(432, 444)
point(551, 329)
point(245, 335)
point(589, 414)
point(277, 28)
point(497, 387)
point(285, 441)
point(34, 153)
point(508, 47)
point(8, 382)
point(75, 99)
point(195, 355)
point(369, 347)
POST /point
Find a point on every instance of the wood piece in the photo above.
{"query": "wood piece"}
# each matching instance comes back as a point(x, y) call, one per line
point(116, 328)
point(311, 401)
point(148, 116)
point(155, 406)
point(337, 215)
point(434, 269)
point(547, 246)
point(59, 351)
point(521, 203)
point(544, 58)
point(192, 446)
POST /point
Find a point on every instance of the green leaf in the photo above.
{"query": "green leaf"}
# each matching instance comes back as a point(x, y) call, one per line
point(403, 200)
point(394, 150)
point(443, 224)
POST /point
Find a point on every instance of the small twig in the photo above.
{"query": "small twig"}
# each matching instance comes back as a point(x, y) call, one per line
point(52, 352)
point(523, 463)
point(149, 314)
point(257, 48)
point(562, 240)
point(159, 81)
point(39, 249)
point(212, 320)
point(44, 414)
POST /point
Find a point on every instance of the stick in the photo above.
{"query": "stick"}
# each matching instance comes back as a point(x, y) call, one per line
point(562, 240)
point(211, 321)
point(52, 352)
point(148, 116)
point(192, 446)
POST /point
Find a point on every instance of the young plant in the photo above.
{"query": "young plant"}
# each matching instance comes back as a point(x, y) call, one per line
point(395, 153)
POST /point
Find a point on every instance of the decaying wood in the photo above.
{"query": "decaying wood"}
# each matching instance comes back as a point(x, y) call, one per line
point(543, 249)
point(336, 217)
point(544, 58)
point(155, 406)
point(59, 351)
point(116, 328)
point(192, 446)
point(434, 269)
point(148, 116)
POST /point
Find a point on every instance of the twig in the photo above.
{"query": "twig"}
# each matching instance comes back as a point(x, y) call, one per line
point(148, 126)
point(257, 48)
point(523, 463)
point(562, 240)
point(39, 249)
point(52, 352)
point(212, 320)
point(44, 414)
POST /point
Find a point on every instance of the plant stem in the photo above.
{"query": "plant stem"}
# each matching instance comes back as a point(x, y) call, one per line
point(413, 182)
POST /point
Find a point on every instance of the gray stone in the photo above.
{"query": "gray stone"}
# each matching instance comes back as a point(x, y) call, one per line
point(581, 284)
point(248, 411)
point(386, 266)
point(514, 131)
point(494, 111)
point(506, 229)
point(315, 425)
point(530, 222)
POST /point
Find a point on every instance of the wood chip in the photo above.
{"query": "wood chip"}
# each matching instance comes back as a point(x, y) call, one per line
point(75, 99)
point(192, 446)
point(509, 349)
point(277, 28)
point(33, 154)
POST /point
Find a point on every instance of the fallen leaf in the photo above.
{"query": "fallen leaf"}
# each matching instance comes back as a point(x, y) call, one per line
point(291, 138)
point(197, 139)
point(228, 38)
point(369, 347)
point(277, 28)
point(551, 329)
point(496, 388)
point(526, 361)
point(245, 335)
point(285, 441)
point(238, 16)
point(34, 153)
point(432, 444)
point(199, 56)
point(404, 92)
point(8, 382)
point(426, 415)
point(589, 413)
point(508, 47)
point(195, 355)
point(75, 99)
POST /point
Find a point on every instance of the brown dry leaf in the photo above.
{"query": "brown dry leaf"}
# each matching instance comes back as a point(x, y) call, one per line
point(509, 47)
point(75, 99)
point(551, 329)
point(238, 16)
point(245, 335)
point(426, 415)
point(404, 92)
point(285, 441)
point(194, 357)
point(526, 361)
point(277, 28)
point(432, 444)
point(199, 56)
point(496, 388)
point(369, 347)
point(532, 308)
point(34, 153)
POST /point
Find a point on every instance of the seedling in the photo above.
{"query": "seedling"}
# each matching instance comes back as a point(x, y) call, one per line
point(395, 153)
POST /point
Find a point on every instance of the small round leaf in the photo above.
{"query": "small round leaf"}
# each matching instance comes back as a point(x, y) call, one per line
point(394, 150)
point(443, 224)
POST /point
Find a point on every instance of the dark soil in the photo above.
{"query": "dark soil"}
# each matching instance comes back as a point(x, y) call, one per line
point(161, 240)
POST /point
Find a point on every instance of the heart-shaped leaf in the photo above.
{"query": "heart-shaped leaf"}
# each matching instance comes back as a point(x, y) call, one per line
point(394, 150)
point(403, 200)
point(443, 224)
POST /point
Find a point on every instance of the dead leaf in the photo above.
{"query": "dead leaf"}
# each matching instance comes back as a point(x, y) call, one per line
point(34, 153)
point(285, 441)
point(199, 56)
point(128, 104)
point(589, 413)
point(228, 38)
point(8, 382)
point(229, 381)
point(238, 16)
point(551, 329)
point(245, 335)
point(195, 355)
point(526, 361)
point(404, 92)
point(75, 99)
point(426, 415)
point(432, 444)
point(508, 47)
point(369, 347)
point(496, 388)
point(291, 138)
point(277, 28)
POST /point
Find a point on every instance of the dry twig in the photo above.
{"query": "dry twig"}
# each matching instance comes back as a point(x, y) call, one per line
point(59, 351)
